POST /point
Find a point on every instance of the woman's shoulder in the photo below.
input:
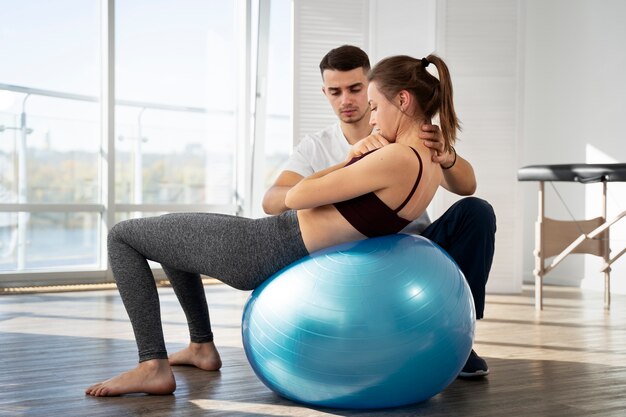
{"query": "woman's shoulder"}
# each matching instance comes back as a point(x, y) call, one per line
point(398, 152)
point(391, 159)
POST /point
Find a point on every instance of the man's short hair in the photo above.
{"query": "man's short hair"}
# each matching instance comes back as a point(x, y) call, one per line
point(345, 58)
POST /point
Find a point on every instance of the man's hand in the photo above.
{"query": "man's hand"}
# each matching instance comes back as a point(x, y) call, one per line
point(367, 144)
point(431, 135)
point(274, 198)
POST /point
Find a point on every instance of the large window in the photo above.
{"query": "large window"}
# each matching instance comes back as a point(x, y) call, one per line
point(49, 134)
point(175, 75)
point(178, 120)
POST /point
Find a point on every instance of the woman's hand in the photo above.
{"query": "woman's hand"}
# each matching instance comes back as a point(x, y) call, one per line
point(367, 144)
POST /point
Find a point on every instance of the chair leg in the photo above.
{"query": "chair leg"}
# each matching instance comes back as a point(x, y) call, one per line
point(538, 292)
point(539, 249)
point(607, 252)
point(607, 289)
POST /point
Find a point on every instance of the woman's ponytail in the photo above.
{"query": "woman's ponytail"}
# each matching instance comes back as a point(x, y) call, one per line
point(447, 116)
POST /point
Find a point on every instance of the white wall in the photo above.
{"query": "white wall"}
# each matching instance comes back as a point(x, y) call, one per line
point(319, 26)
point(574, 111)
point(481, 43)
point(402, 27)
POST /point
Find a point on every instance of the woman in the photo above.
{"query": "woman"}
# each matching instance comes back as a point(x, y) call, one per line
point(373, 193)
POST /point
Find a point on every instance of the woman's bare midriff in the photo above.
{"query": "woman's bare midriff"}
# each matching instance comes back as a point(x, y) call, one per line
point(322, 227)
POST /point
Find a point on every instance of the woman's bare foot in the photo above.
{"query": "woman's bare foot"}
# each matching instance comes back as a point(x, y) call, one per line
point(151, 377)
point(201, 355)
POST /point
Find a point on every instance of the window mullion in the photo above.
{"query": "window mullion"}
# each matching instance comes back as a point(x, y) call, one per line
point(107, 164)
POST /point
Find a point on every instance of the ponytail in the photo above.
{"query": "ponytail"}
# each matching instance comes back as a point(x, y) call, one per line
point(447, 116)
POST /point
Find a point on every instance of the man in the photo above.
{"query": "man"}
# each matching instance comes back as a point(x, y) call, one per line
point(466, 230)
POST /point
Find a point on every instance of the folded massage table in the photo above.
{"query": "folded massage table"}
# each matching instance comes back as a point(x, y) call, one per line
point(558, 238)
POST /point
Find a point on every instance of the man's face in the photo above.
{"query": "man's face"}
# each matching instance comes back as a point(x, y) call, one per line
point(347, 93)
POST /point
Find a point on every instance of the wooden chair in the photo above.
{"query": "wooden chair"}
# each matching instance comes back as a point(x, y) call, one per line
point(558, 238)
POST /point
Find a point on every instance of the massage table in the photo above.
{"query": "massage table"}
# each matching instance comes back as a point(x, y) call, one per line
point(558, 238)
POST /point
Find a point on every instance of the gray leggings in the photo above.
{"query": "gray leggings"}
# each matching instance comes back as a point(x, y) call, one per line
point(238, 251)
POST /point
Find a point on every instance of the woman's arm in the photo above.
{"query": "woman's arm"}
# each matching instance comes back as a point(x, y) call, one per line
point(374, 172)
point(327, 171)
point(274, 198)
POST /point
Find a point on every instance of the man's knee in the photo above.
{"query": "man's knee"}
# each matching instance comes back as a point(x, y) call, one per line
point(479, 210)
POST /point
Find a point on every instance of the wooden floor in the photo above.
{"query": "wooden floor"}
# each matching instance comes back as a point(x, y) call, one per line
point(569, 360)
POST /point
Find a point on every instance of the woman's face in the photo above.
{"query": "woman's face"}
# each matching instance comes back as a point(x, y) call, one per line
point(385, 115)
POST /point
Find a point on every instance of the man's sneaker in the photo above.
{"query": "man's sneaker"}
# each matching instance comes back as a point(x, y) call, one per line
point(474, 367)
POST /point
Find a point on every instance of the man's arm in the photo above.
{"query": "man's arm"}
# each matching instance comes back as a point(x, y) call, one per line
point(459, 178)
point(274, 198)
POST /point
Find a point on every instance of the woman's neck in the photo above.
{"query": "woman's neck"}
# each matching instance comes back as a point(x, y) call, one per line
point(408, 133)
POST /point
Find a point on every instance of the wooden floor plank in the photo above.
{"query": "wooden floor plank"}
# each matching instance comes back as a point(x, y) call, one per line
point(568, 360)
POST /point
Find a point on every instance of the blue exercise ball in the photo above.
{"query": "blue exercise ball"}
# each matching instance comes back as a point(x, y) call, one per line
point(377, 323)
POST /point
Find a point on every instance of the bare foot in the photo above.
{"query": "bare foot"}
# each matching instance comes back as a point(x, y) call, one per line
point(201, 355)
point(151, 377)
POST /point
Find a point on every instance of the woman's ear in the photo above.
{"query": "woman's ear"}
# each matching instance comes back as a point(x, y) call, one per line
point(405, 100)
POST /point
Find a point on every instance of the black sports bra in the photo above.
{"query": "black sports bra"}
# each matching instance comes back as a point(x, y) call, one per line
point(370, 215)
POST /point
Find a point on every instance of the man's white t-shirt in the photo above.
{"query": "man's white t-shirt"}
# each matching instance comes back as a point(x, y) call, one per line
point(326, 148)
point(319, 151)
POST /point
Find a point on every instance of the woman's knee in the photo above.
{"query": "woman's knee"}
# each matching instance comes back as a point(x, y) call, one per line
point(118, 231)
